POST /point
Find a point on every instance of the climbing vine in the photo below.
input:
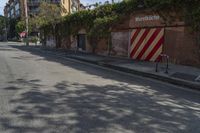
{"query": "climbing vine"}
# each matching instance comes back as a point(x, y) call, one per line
point(98, 21)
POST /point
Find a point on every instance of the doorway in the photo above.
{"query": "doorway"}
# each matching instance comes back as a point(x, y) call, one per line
point(81, 41)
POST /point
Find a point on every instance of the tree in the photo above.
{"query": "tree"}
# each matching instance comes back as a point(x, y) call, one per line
point(49, 15)
point(11, 28)
point(3, 22)
point(20, 26)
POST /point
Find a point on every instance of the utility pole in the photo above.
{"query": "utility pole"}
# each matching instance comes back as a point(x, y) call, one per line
point(26, 17)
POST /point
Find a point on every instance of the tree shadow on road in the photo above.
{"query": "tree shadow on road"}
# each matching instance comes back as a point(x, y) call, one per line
point(128, 106)
point(72, 107)
point(105, 74)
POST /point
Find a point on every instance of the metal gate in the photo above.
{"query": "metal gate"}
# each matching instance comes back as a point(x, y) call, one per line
point(146, 44)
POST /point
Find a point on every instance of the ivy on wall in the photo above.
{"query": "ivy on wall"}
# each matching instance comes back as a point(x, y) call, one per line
point(98, 22)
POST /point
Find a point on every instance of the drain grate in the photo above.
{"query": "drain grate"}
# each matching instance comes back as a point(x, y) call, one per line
point(184, 76)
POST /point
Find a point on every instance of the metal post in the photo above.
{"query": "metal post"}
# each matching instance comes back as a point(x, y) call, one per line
point(157, 66)
point(26, 17)
point(157, 62)
point(167, 67)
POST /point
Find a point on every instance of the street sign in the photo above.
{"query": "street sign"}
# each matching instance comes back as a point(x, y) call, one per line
point(22, 34)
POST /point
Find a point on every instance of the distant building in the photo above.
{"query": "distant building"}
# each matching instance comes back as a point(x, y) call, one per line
point(14, 9)
point(69, 6)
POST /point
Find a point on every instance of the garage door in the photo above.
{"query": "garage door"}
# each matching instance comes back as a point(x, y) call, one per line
point(146, 44)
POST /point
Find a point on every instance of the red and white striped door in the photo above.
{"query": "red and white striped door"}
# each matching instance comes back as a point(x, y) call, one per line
point(146, 44)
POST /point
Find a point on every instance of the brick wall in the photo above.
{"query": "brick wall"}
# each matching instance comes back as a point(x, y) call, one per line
point(120, 42)
point(102, 47)
point(181, 46)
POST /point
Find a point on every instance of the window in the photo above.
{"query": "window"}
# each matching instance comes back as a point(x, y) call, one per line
point(74, 6)
point(17, 6)
point(9, 15)
point(12, 11)
point(17, 13)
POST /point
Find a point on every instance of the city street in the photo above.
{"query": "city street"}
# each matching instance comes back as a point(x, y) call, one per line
point(41, 93)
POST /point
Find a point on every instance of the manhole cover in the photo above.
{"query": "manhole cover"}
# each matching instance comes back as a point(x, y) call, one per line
point(184, 76)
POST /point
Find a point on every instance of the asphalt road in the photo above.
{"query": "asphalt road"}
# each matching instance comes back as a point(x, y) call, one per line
point(45, 94)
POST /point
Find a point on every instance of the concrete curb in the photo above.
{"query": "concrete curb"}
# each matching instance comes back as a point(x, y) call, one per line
point(171, 80)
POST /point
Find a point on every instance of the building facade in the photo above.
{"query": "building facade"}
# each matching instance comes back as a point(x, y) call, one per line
point(15, 9)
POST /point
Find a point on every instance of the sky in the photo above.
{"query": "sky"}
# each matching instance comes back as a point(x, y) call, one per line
point(2, 4)
point(85, 2)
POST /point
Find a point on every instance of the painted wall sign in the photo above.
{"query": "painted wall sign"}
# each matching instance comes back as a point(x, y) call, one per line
point(147, 18)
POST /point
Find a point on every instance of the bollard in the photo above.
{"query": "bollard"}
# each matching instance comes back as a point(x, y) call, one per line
point(157, 66)
point(167, 67)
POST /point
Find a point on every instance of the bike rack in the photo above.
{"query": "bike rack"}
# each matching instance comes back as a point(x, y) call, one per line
point(163, 56)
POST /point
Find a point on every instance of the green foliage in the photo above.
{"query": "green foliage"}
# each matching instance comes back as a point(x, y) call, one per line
point(187, 10)
point(195, 19)
point(82, 19)
point(12, 31)
point(99, 21)
point(20, 26)
point(102, 26)
point(33, 39)
point(48, 14)
point(3, 22)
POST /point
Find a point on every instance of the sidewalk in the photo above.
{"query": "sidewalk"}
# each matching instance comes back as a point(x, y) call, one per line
point(177, 74)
